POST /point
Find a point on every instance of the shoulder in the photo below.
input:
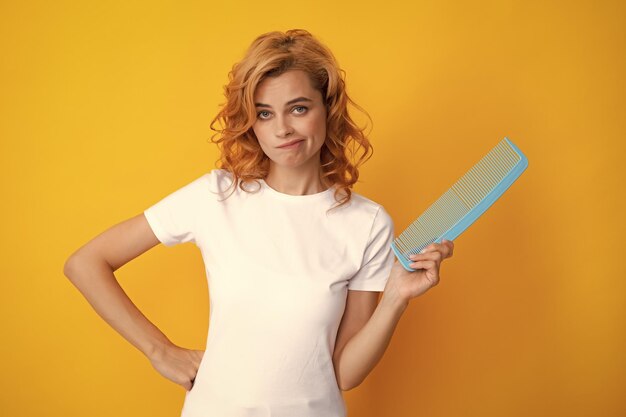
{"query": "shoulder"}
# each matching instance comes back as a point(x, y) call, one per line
point(365, 214)
point(367, 206)
point(217, 175)
point(218, 180)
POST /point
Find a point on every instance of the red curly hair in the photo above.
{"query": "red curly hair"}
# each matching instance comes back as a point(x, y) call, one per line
point(346, 147)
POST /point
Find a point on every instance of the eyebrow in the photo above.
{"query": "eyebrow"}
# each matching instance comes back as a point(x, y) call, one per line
point(295, 100)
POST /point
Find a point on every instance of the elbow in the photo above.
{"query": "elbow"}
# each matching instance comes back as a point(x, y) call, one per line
point(348, 385)
point(68, 266)
point(344, 383)
point(71, 263)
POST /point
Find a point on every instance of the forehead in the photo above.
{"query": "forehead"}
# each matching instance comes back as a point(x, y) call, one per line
point(288, 85)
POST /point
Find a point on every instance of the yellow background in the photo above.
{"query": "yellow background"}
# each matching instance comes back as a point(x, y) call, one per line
point(105, 107)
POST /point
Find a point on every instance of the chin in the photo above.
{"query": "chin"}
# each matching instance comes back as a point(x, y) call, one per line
point(289, 163)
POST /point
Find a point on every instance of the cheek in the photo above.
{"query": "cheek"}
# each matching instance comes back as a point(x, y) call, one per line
point(317, 127)
point(260, 135)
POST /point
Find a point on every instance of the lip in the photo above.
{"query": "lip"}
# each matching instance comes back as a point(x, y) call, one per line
point(291, 143)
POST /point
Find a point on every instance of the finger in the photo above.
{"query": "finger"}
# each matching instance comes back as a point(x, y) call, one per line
point(436, 248)
point(423, 265)
point(450, 243)
point(428, 256)
point(447, 247)
point(428, 248)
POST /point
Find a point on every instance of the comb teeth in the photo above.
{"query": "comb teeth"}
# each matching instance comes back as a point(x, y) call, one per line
point(489, 174)
point(486, 174)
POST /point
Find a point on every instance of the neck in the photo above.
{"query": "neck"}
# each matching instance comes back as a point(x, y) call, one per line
point(296, 181)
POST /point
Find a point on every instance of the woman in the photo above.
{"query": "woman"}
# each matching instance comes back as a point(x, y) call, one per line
point(295, 260)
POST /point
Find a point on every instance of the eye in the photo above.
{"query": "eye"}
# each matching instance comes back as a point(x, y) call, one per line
point(301, 107)
point(303, 110)
point(261, 112)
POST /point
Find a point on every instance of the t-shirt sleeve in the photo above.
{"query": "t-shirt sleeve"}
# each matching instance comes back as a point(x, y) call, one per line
point(173, 218)
point(378, 257)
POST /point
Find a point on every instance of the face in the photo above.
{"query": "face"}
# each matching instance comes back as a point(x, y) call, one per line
point(290, 120)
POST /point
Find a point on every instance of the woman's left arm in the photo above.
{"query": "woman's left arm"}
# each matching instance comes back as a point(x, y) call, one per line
point(367, 325)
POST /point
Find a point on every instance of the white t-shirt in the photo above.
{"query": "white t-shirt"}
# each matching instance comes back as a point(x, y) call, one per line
point(278, 268)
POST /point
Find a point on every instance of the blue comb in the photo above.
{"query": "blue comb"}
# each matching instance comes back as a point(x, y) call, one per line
point(464, 202)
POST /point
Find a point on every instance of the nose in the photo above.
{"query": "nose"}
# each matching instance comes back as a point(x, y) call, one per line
point(283, 128)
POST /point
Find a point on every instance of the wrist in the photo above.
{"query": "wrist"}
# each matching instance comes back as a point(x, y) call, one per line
point(157, 348)
point(391, 299)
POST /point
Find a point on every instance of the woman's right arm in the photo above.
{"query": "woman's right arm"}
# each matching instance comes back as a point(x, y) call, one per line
point(91, 269)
